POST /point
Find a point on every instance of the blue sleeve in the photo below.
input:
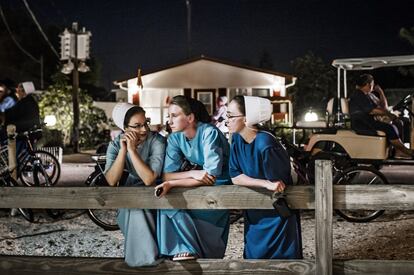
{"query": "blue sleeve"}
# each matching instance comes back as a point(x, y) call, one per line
point(213, 152)
point(157, 155)
point(111, 154)
point(7, 103)
point(234, 166)
point(173, 156)
point(276, 164)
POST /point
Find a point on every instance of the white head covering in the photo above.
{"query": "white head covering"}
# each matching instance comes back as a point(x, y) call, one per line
point(28, 87)
point(258, 109)
point(119, 112)
point(223, 99)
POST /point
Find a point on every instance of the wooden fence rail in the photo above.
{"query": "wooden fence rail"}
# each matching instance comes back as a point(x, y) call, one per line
point(322, 197)
point(388, 197)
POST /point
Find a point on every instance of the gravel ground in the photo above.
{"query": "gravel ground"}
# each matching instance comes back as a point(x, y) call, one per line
point(389, 237)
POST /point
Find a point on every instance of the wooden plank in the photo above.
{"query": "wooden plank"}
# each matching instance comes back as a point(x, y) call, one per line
point(388, 197)
point(217, 197)
point(19, 265)
point(11, 148)
point(323, 217)
point(34, 265)
point(377, 267)
point(375, 197)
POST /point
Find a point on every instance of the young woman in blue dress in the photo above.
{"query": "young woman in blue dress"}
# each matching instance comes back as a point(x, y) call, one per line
point(258, 160)
point(141, 153)
point(190, 234)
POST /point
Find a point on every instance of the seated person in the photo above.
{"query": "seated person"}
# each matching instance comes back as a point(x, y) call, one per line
point(258, 160)
point(141, 153)
point(6, 100)
point(377, 96)
point(25, 114)
point(219, 115)
point(363, 109)
point(190, 234)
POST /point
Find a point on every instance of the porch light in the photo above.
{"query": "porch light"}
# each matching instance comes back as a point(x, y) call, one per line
point(311, 116)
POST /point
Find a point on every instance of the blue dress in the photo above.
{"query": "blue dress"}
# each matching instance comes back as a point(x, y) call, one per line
point(200, 232)
point(139, 225)
point(266, 234)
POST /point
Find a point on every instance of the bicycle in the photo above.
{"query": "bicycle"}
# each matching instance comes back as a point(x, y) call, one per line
point(6, 180)
point(105, 218)
point(36, 167)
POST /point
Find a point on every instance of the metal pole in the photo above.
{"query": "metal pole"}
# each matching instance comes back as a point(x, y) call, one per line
point(42, 84)
point(75, 93)
point(188, 3)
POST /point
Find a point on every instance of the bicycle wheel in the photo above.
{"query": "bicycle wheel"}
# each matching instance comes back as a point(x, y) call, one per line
point(105, 218)
point(26, 213)
point(49, 164)
point(360, 175)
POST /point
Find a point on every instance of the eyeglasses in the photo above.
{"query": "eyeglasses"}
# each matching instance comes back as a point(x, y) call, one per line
point(230, 116)
point(139, 126)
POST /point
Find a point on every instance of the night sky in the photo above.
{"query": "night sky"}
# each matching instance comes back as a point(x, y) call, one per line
point(153, 33)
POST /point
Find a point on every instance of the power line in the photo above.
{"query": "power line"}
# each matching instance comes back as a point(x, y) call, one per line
point(14, 39)
point(40, 28)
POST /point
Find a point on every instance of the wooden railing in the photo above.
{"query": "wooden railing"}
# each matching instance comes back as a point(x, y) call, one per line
point(323, 197)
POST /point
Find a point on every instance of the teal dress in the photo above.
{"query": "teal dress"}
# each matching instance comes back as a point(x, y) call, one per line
point(200, 232)
point(139, 225)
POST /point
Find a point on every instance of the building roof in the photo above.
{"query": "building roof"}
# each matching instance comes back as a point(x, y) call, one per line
point(207, 72)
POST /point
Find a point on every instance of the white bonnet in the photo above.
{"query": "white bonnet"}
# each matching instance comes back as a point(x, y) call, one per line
point(258, 109)
point(119, 112)
point(223, 99)
point(28, 87)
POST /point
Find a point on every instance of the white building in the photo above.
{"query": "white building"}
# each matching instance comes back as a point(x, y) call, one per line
point(206, 79)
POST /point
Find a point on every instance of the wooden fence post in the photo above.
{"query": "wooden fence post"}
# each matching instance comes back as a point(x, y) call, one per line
point(412, 124)
point(323, 217)
point(11, 148)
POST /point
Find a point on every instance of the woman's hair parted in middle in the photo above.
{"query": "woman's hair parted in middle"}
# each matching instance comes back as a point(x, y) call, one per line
point(190, 105)
point(132, 111)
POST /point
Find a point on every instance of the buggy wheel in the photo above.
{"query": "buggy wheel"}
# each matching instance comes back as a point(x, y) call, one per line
point(105, 218)
point(331, 151)
point(360, 175)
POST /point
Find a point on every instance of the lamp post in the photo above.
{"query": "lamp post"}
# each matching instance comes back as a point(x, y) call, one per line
point(75, 50)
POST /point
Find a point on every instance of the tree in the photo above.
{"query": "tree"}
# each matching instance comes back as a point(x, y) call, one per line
point(315, 85)
point(56, 100)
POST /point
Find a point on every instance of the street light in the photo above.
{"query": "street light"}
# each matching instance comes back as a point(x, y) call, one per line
point(74, 49)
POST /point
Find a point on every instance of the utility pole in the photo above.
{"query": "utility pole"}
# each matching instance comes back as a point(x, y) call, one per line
point(188, 4)
point(42, 83)
point(75, 92)
point(75, 49)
